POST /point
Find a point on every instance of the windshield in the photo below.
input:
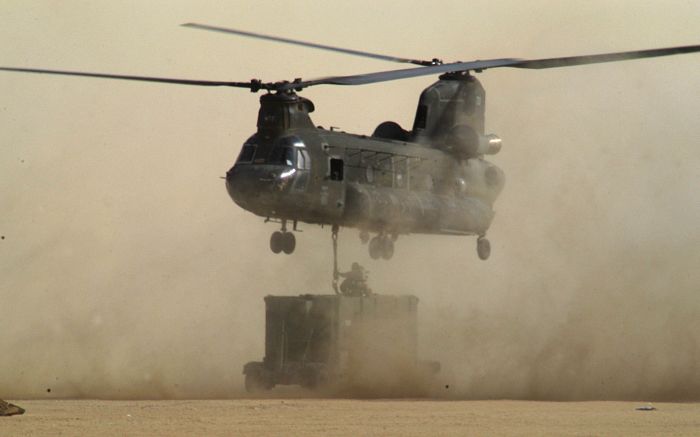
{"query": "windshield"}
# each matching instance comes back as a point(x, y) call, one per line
point(282, 156)
point(247, 154)
point(290, 151)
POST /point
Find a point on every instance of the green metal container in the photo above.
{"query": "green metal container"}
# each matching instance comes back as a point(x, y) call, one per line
point(336, 341)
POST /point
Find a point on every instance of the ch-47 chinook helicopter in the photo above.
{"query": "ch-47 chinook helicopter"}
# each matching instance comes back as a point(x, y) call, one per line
point(432, 179)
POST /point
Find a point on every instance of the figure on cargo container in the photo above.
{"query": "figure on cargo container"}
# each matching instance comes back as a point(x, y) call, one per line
point(355, 282)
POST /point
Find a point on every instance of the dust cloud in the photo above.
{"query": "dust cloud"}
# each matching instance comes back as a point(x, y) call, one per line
point(126, 272)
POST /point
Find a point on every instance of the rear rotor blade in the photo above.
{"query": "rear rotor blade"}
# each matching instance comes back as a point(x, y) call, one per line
point(307, 44)
point(383, 76)
point(606, 57)
point(361, 79)
point(249, 85)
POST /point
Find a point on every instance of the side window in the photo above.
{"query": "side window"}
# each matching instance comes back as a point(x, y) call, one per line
point(336, 169)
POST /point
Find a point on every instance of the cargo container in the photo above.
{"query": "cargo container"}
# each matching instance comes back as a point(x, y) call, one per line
point(338, 341)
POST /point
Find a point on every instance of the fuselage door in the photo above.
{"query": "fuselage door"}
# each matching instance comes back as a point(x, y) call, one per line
point(332, 194)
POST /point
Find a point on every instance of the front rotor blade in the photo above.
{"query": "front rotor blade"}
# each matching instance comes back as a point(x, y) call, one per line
point(135, 78)
point(306, 44)
point(606, 57)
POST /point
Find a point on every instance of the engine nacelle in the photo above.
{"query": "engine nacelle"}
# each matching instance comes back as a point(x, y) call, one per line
point(464, 143)
point(390, 130)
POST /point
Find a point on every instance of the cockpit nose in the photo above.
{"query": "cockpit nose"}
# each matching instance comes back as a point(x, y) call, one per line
point(265, 173)
point(241, 183)
point(258, 184)
point(236, 183)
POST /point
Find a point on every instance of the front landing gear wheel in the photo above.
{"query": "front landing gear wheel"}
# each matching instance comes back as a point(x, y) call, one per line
point(283, 242)
point(276, 242)
point(289, 242)
point(483, 248)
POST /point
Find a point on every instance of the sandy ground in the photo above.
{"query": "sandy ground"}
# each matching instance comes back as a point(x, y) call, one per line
point(348, 417)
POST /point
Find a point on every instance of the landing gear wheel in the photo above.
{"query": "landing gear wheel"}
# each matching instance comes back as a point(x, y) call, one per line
point(483, 248)
point(289, 242)
point(276, 242)
point(375, 248)
point(387, 248)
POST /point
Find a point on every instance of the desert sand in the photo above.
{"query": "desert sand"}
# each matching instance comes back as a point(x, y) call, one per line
point(262, 417)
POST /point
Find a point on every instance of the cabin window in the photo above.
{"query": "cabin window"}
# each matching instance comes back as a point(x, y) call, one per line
point(400, 172)
point(384, 172)
point(247, 154)
point(336, 169)
point(369, 174)
point(282, 156)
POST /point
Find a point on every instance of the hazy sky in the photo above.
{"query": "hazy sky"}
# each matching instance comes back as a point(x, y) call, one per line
point(126, 270)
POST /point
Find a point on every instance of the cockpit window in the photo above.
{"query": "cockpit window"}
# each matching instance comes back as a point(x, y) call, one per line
point(282, 156)
point(292, 141)
point(247, 154)
point(290, 151)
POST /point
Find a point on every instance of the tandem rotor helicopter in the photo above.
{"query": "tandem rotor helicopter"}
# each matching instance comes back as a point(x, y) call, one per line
point(432, 179)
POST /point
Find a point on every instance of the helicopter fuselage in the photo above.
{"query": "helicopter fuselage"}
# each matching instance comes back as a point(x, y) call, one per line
point(292, 171)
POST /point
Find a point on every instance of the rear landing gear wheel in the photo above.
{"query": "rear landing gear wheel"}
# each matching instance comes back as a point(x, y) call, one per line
point(381, 246)
point(483, 248)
